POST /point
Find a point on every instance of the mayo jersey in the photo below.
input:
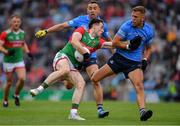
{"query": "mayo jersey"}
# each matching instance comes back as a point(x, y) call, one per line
point(91, 43)
point(13, 41)
point(83, 21)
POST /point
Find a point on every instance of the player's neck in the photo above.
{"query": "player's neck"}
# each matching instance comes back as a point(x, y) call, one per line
point(141, 25)
point(14, 30)
point(91, 34)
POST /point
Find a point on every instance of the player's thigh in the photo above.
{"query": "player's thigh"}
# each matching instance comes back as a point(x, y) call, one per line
point(103, 72)
point(76, 78)
point(20, 70)
point(91, 69)
point(136, 76)
point(63, 65)
point(61, 62)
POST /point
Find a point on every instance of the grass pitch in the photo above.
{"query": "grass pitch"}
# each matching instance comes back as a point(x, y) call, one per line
point(56, 113)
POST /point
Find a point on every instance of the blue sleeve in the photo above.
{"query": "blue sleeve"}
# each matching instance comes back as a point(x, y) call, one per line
point(123, 30)
point(74, 22)
point(105, 34)
point(151, 36)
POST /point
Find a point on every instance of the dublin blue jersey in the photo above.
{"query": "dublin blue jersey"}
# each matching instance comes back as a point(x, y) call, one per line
point(84, 21)
point(127, 32)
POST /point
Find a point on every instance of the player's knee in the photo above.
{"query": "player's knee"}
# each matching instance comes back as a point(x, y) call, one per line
point(96, 83)
point(139, 86)
point(21, 79)
point(80, 85)
point(9, 81)
point(94, 79)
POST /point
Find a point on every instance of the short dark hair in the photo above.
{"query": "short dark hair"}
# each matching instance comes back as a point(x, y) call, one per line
point(140, 9)
point(15, 15)
point(94, 21)
point(93, 1)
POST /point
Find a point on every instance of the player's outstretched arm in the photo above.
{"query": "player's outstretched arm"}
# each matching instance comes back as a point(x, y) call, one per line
point(117, 43)
point(107, 45)
point(128, 45)
point(58, 27)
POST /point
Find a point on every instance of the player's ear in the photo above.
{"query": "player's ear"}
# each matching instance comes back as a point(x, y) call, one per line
point(10, 22)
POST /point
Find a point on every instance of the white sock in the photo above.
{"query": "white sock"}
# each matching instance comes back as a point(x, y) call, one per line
point(73, 111)
point(40, 88)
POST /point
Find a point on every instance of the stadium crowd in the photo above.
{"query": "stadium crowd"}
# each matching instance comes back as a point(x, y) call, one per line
point(163, 72)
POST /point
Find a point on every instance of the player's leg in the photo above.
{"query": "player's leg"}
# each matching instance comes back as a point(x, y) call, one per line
point(62, 69)
point(75, 78)
point(103, 72)
point(136, 77)
point(9, 79)
point(8, 69)
point(21, 76)
point(98, 91)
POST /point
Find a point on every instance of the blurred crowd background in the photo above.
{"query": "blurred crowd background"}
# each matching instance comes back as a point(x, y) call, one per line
point(162, 77)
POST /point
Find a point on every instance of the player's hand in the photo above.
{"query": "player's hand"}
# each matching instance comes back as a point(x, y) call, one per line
point(134, 43)
point(41, 33)
point(86, 57)
point(11, 52)
point(144, 64)
point(30, 56)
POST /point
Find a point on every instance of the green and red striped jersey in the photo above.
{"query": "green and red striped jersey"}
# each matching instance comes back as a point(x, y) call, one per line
point(91, 43)
point(13, 41)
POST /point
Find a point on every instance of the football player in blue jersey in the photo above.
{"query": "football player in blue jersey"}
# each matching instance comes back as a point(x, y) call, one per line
point(133, 47)
point(93, 11)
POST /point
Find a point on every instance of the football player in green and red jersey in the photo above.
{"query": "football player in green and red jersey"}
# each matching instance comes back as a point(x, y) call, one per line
point(93, 11)
point(65, 63)
point(12, 44)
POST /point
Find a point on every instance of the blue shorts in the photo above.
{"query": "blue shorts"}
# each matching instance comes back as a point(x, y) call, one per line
point(118, 64)
point(91, 62)
point(93, 55)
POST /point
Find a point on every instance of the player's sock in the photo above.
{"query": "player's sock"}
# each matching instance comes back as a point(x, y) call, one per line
point(73, 111)
point(40, 88)
point(142, 111)
point(100, 107)
point(74, 108)
point(16, 95)
point(101, 112)
point(45, 85)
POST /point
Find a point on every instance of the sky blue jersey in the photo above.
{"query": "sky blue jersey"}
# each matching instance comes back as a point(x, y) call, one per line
point(84, 20)
point(127, 32)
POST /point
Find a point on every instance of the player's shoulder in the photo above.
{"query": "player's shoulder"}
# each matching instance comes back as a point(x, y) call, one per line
point(149, 28)
point(7, 31)
point(126, 25)
point(80, 29)
point(22, 31)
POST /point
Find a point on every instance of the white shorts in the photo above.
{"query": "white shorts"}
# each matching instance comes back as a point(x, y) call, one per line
point(59, 56)
point(10, 67)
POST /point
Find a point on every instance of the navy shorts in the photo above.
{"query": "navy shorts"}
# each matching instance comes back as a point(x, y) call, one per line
point(118, 64)
point(91, 62)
